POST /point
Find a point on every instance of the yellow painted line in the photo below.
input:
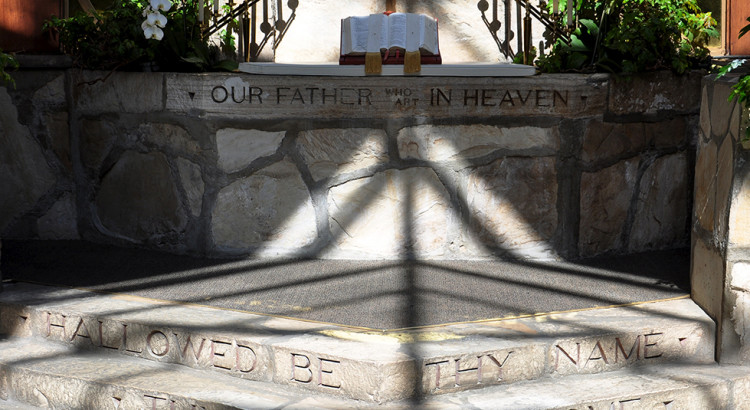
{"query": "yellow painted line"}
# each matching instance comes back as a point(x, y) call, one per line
point(136, 298)
point(531, 315)
point(369, 330)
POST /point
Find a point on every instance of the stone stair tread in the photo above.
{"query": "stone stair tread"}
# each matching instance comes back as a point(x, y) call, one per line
point(45, 374)
point(359, 363)
point(667, 386)
point(54, 375)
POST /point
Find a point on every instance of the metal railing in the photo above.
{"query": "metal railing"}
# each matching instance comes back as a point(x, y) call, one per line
point(556, 23)
point(256, 23)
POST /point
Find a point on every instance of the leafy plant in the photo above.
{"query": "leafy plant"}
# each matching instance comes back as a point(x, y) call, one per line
point(7, 60)
point(119, 38)
point(628, 36)
point(741, 90)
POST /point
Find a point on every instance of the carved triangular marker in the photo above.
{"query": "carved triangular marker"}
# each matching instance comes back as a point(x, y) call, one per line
point(116, 401)
point(191, 94)
point(682, 340)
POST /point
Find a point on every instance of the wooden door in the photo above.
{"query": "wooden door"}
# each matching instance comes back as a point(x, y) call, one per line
point(737, 13)
point(21, 25)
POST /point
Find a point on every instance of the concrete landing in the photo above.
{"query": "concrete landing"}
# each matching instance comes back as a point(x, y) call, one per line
point(356, 363)
point(372, 294)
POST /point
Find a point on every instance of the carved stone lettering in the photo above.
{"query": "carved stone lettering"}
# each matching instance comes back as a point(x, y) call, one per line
point(157, 343)
point(486, 368)
point(617, 351)
point(189, 347)
point(55, 322)
point(81, 331)
point(649, 345)
point(246, 359)
point(270, 97)
point(301, 371)
point(219, 355)
point(325, 371)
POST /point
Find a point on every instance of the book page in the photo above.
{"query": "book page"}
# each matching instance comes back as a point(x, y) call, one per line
point(397, 30)
point(354, 35)
point(428, 35)
point(413, 30)
point(376, 32)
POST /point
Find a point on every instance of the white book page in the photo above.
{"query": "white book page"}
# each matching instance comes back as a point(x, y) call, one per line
point(413, 30)
point(376, 33)
point(354, 35)
point(428, 35)
point(397, 30)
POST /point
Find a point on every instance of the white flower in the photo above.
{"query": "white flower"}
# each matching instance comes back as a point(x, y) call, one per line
point(156, 19)
point(163, 5)
point(152, 32)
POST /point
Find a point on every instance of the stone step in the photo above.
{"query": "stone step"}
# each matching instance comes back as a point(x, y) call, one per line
point(357, 363)
point(40, 373)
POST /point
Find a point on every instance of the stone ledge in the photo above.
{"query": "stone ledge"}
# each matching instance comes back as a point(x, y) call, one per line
point(47, 375)
point(359, 363)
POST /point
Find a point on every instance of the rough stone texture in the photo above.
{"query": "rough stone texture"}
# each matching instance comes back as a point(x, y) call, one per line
point(734, 124)
point(169, 137)
point(605, 200)
point(705, 186)
point(661, 211)
point(739, 311)
point(724, 178)
point(138, 198)
point(462, 142)
point(192, 183)
point(706, 278)
point(668, 133)
point(97, 139)
point(26, 176)
point(606, 141)
point(238, 148)
point(333, 152)
point(721, 111)
point(61, 221)
point(385, 215)
point(51, 94)
point(650, 93)
point(122, 92)
point(512, 203)
point(58, 137)
point(271, 210)
point(739, 216)
point(705, 115)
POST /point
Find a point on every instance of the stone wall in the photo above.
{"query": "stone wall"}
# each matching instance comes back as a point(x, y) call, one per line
point(438, 168)
point(720, 237)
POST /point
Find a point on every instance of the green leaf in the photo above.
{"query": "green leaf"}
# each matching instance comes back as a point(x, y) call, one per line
point(591, 26)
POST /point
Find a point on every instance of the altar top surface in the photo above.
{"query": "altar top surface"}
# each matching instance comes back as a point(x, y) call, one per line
point(428, 70)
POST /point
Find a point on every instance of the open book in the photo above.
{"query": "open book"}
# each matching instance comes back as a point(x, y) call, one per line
point(392, 35)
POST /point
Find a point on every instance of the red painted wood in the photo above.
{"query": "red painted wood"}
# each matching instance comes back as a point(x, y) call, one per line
point(21, 25)
point(737, 13)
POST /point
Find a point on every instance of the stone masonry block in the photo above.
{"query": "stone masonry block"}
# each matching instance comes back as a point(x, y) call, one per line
point(138, 198)
point(706, 284)
point(271, 209)
point(122, 92)
point(463, 142)
point(332, 152)
point(705, 186)
point(662, 207)
point(238, 148)
point(605, 200)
